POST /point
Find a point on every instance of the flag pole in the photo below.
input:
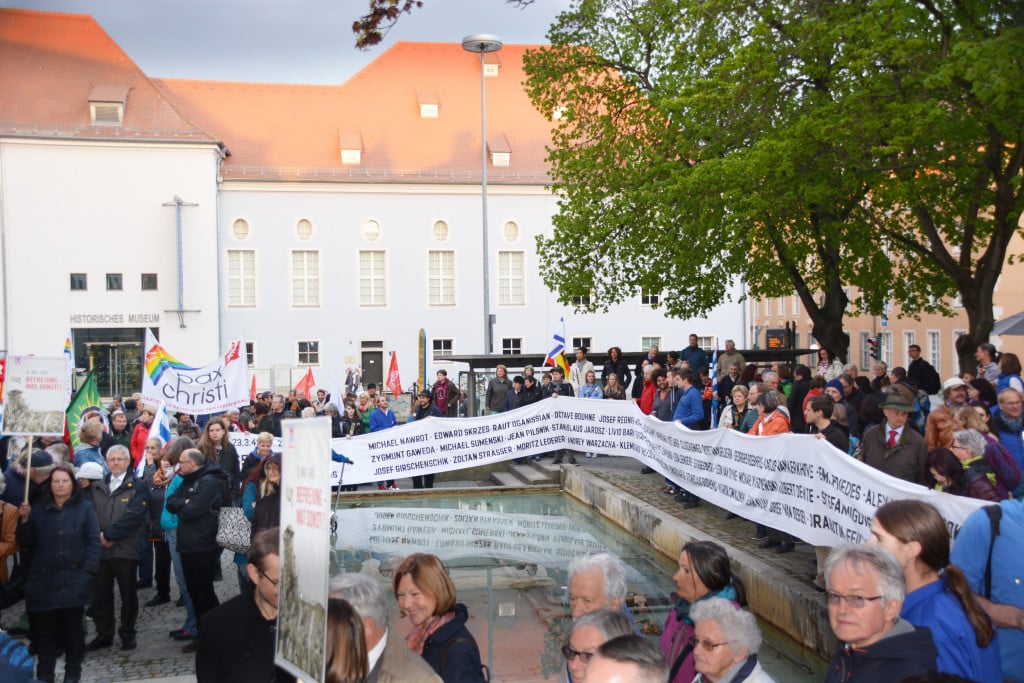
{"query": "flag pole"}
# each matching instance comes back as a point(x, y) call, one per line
point(28, 469)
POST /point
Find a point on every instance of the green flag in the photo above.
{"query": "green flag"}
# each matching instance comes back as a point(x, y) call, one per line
point(88, 396)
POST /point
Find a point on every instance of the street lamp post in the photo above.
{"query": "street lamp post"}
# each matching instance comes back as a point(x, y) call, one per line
point(483, 43)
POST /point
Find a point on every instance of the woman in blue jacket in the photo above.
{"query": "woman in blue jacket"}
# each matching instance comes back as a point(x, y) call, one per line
point(63, 536)
point(938, 595)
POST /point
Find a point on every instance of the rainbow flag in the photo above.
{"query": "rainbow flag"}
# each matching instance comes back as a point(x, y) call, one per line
point(70, 357)
point(158, 360)
point(556, 356)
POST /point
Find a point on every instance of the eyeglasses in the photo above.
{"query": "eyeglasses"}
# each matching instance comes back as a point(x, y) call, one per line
point(569, 653)
point(273, 582)
point(707, 645)
point(854, 601)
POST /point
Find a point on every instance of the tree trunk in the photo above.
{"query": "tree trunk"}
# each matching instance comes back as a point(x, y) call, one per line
point(977, 301)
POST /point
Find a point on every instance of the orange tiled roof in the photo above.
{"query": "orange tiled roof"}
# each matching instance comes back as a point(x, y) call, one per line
point(50, 65)
point(295, 132)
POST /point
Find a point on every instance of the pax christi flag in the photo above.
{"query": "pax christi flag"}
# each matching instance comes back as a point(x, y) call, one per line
point(556, 356)
point(306, 384)
point(394, 381)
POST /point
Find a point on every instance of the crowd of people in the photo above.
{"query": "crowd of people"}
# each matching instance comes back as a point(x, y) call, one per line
point(122, 509)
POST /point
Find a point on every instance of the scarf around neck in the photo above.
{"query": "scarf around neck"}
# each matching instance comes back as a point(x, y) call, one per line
point(682, 607)
point(417, 638)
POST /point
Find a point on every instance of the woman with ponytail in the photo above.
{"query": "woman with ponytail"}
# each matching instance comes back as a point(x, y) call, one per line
point(938, 595)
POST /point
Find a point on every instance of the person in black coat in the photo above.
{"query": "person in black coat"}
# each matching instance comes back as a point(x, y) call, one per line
point(797, 394)
point(197, 501)
point(615, 364)
point(426, 595)
point(64, 537)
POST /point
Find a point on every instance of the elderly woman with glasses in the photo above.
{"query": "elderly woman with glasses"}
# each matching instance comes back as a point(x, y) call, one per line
point(725, 644)
point(589, 632)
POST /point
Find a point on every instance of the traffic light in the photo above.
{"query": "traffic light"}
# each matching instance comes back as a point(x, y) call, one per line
point(875, 348)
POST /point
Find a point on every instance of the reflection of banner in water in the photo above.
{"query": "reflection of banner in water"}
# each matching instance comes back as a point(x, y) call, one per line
point(451, 534)
point(795, 483)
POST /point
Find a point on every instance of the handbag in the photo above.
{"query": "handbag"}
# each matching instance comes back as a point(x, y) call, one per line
point(13, 591)
point(233, 530)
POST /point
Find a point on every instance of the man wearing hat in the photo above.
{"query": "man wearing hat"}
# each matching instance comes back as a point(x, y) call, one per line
point(893, 446)
point(954, 391)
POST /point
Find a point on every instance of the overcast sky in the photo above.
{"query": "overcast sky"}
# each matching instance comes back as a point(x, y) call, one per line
point(285, 41)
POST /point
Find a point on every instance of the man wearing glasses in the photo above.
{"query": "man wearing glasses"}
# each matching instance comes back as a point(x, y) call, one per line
point(866, 589)
point(238, 637)
point(1007, 424)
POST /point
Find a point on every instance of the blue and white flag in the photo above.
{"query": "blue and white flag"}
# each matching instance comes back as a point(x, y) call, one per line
point(160, 429)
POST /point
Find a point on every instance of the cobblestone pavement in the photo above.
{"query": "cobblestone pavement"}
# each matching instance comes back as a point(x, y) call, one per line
point(159, 658)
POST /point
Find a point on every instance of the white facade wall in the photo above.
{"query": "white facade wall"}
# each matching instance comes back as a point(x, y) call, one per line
point(406, 215)
point(97, 207)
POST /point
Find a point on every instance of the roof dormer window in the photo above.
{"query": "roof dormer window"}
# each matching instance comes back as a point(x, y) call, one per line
point(501, 151)
point(429, 105)
point(491, 64)
point(351, 145)
point(106, 105)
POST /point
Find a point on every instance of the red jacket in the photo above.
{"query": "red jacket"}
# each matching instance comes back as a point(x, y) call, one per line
point(647, 397)
point(138, 445)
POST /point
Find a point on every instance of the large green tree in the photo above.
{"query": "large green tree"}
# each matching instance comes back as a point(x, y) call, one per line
point(799, 146)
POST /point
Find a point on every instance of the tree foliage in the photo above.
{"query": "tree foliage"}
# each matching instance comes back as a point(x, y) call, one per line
point(371, 28)
point(801, 146)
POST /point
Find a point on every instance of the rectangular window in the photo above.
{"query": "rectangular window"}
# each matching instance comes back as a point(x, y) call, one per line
point(755, 308)
point(241, 277)
point(149, 281)
point(114, 282)
point(441, 277)
point(782, 306)
point(309, 352)
point(909, 339)
point(934, 349)
point(865, 350)
point(885, 342)
point(849, 300)
point(443, 347)
point(584, 300)
point(649, 299)
point(796, 307)
point(511, 346)
point(305, 278)
point(647, 342)
point(79, 282)
point(372, 279)
point(706, 343)
point(250, 354)
point(511, 278)
point(578, 342)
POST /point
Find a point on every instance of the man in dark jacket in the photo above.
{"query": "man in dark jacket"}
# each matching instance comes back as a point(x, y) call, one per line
point(893, 446)
point(921, 373)
point(238, 637)
point(559, 387)
point(865, 594)
point(197, 502)
point(121, 507)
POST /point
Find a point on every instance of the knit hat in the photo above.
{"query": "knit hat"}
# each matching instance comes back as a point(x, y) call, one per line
point(835, 384)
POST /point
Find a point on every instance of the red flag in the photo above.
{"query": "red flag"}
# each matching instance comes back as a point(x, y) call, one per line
point(306, 384)
point(394, 381)
point(252, 388)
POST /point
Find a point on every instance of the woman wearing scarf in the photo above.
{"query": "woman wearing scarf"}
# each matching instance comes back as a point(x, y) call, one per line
point(704, 572)
point(426, 595)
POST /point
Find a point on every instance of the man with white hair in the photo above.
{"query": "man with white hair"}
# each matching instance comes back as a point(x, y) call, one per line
point(866, 588)
point(598, 582)
point(390, 659)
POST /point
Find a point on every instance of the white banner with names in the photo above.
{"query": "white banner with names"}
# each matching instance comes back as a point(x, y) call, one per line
point(798, 484)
